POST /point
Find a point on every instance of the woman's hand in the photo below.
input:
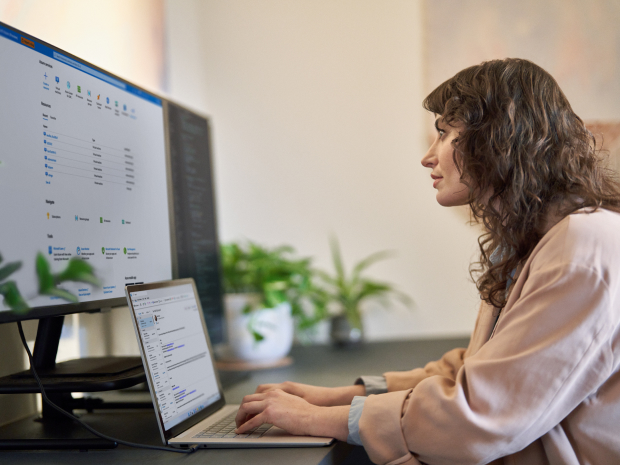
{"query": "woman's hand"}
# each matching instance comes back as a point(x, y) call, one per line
point(316, 395)
point(293, 414)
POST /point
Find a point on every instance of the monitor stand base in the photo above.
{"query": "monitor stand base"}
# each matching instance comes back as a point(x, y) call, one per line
point(82, 445)
point(49, 435)
point(92, 374)
point(51, 429)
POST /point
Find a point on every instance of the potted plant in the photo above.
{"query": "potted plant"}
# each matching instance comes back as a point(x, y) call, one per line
point(347, 292)
point(266, 291)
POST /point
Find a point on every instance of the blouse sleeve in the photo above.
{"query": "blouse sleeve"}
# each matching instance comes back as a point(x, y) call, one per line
point(548, 353)
point(355, 413)
point(373, 384)
point(447, 367)
point(451, 362)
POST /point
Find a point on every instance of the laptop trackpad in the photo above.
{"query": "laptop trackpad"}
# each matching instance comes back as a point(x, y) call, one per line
point(278, 434)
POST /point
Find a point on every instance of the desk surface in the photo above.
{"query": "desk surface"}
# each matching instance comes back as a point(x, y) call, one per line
point(320, 365)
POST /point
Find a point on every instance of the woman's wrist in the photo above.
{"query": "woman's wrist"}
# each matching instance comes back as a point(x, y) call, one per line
point(332, 422)
point(344, 395)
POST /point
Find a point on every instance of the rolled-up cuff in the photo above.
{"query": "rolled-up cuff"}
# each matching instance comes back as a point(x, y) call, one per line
point(373, 384)
point(355, 413)
point(381, 430)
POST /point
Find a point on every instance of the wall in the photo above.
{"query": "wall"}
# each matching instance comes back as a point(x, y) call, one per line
point(318, 130)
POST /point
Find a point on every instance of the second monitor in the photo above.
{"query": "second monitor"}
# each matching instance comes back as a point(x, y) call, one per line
point(194, 236)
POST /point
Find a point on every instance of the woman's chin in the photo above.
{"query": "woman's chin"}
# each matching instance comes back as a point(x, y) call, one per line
point(450, 201)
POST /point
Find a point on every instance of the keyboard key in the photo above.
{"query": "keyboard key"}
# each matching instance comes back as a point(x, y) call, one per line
point(225, 428)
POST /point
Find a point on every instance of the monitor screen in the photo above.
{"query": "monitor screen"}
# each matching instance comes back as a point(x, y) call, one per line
point(82, 174)
point(195, 232)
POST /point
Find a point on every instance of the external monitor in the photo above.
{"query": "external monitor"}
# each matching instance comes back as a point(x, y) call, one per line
point(82, 174)
point(96, 168)
point(195, 241)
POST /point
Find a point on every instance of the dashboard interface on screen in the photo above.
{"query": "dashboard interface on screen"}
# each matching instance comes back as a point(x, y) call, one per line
point(82, 172)
point(176, 351)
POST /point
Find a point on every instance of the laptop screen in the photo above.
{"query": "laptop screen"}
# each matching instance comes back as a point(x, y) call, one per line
point(174, 345)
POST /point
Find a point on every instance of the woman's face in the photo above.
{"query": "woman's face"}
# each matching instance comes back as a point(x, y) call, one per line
point(446, 177)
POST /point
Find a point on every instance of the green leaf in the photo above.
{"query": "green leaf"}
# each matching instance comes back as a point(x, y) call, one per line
point(373, 289)
point(46, 280)
point(404, 298)
point(63, 294)
point(275, 284)
point(77, 270)
point(9, 269)
point(12, 297)
point(257, 336)
point(370, 260)
point(326, 277)
point(274, 298)
point(337, 259)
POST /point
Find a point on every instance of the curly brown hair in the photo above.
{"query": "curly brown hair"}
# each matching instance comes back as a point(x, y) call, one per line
point(524, 154)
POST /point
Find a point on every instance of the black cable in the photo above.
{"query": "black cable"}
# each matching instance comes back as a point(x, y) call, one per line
point(73, 417)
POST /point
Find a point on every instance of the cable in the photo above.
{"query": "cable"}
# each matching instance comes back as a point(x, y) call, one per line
point(73, 417)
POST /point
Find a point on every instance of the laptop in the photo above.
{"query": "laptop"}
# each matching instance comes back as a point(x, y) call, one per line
point(185, 387)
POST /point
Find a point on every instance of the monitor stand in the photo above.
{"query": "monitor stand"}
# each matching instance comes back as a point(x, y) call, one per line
point(93, 374)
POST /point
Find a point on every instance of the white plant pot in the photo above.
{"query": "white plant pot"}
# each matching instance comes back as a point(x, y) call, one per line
point(275, 324)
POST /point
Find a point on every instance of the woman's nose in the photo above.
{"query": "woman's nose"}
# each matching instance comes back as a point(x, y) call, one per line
point(428, 160)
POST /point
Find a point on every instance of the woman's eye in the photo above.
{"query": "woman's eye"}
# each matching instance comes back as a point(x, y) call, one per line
point(441, 133)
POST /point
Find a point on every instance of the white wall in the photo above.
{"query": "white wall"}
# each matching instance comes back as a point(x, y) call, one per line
point(318, 129)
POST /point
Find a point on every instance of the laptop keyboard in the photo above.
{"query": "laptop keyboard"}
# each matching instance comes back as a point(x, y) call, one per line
point(225, 428)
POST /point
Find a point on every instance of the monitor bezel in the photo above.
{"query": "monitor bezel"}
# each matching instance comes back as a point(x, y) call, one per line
point(93, 306)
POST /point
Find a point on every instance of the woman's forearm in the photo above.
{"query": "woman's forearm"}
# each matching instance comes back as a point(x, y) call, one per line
point(316, 395)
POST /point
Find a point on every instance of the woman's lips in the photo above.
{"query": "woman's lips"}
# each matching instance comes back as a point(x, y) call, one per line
point(436, 181)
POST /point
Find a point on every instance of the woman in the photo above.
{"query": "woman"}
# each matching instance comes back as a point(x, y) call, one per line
point(540, 380)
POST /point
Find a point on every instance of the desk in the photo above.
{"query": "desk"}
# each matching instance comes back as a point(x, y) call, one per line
point(320, 365)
